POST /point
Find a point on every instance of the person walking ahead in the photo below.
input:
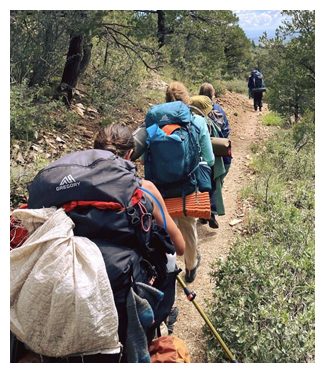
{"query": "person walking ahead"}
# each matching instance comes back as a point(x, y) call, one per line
point(176, 91)
point(256, 82)
point(207, 89)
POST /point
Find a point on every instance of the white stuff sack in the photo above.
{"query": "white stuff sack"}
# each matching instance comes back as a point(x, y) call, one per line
point(61, 301)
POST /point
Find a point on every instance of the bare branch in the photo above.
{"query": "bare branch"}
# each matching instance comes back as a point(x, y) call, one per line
point(127, 47)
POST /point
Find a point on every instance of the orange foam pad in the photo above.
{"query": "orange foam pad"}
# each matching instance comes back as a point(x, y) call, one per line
point(197, 210)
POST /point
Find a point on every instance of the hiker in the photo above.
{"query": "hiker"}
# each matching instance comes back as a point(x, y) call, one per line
point(219, 171)
point(118, 139)
point(176, 91)
point(97, 194)
point(256, 82)
point(207, 89)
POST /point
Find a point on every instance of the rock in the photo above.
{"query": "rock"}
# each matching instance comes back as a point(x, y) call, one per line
point(235, 221)
point(58, 139)
point(20, 158)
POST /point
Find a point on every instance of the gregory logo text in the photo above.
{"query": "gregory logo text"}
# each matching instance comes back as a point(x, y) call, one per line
point(68, 182)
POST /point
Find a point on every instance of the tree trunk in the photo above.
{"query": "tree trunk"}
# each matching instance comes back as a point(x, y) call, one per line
point(161, 28)
point(76, 63)
point(87, 47)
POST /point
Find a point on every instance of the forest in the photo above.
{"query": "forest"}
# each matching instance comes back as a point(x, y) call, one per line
point(110, 53)
point(111, 62)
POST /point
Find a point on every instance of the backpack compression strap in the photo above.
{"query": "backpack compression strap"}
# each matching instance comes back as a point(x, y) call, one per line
point(103, 205)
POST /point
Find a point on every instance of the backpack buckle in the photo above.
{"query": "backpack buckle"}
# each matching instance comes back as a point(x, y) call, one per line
point(134, 217)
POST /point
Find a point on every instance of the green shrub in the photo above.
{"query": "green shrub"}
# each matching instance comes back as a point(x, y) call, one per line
point(114, 86)
point(272, 119)
point(264, 307)
point(219, 87)
point(264, 297)
point(31, 110)
point(236, 85)
point(22, 113)
point(304, 132)
point(20, 177)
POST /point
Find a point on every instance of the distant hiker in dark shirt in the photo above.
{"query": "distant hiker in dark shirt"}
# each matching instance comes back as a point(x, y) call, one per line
point(256, 81)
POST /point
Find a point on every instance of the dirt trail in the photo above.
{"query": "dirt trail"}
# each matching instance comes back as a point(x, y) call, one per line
point(245, 129)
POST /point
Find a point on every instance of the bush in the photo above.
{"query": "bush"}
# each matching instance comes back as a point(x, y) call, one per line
point(304, 132)
point(20, 177)
point(272, 119)
point(31, 112)
point(264, 298)
point(114, 86)
point(31, 109)
point(219, 87)
point(22, 113)
point(236, 85)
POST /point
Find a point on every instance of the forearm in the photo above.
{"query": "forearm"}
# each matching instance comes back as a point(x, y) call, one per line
point(206, 150)
point(172, 228)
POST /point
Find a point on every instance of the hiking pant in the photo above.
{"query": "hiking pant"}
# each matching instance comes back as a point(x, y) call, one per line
point(187, 226)
point(216, 198)
point(258, 99)
point(213, 197)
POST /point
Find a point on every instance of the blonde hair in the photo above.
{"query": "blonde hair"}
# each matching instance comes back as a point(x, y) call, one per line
point(207, 89)
point(176, 91)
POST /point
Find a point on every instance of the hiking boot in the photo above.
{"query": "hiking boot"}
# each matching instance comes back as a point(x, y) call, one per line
point(213, 222)
point(260, 108)
point(191, 274)
point(255, 107)
point(203, 221)
point(171, 320)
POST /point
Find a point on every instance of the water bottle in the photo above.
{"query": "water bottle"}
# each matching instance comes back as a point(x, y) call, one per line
point(140, 136)
point(171, 262)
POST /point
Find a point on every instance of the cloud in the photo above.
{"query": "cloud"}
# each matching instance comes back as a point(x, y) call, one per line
point(259, 19)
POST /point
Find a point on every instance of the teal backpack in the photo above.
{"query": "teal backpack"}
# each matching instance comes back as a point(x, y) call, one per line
point(173, 152)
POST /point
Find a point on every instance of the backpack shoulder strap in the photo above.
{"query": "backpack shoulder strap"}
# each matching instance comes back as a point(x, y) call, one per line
point(197, 130)
point(159, 205)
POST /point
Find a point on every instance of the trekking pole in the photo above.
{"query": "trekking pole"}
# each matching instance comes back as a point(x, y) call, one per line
point(191, 297)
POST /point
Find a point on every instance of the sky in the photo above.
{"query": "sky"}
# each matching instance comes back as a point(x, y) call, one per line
point(259, 19)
